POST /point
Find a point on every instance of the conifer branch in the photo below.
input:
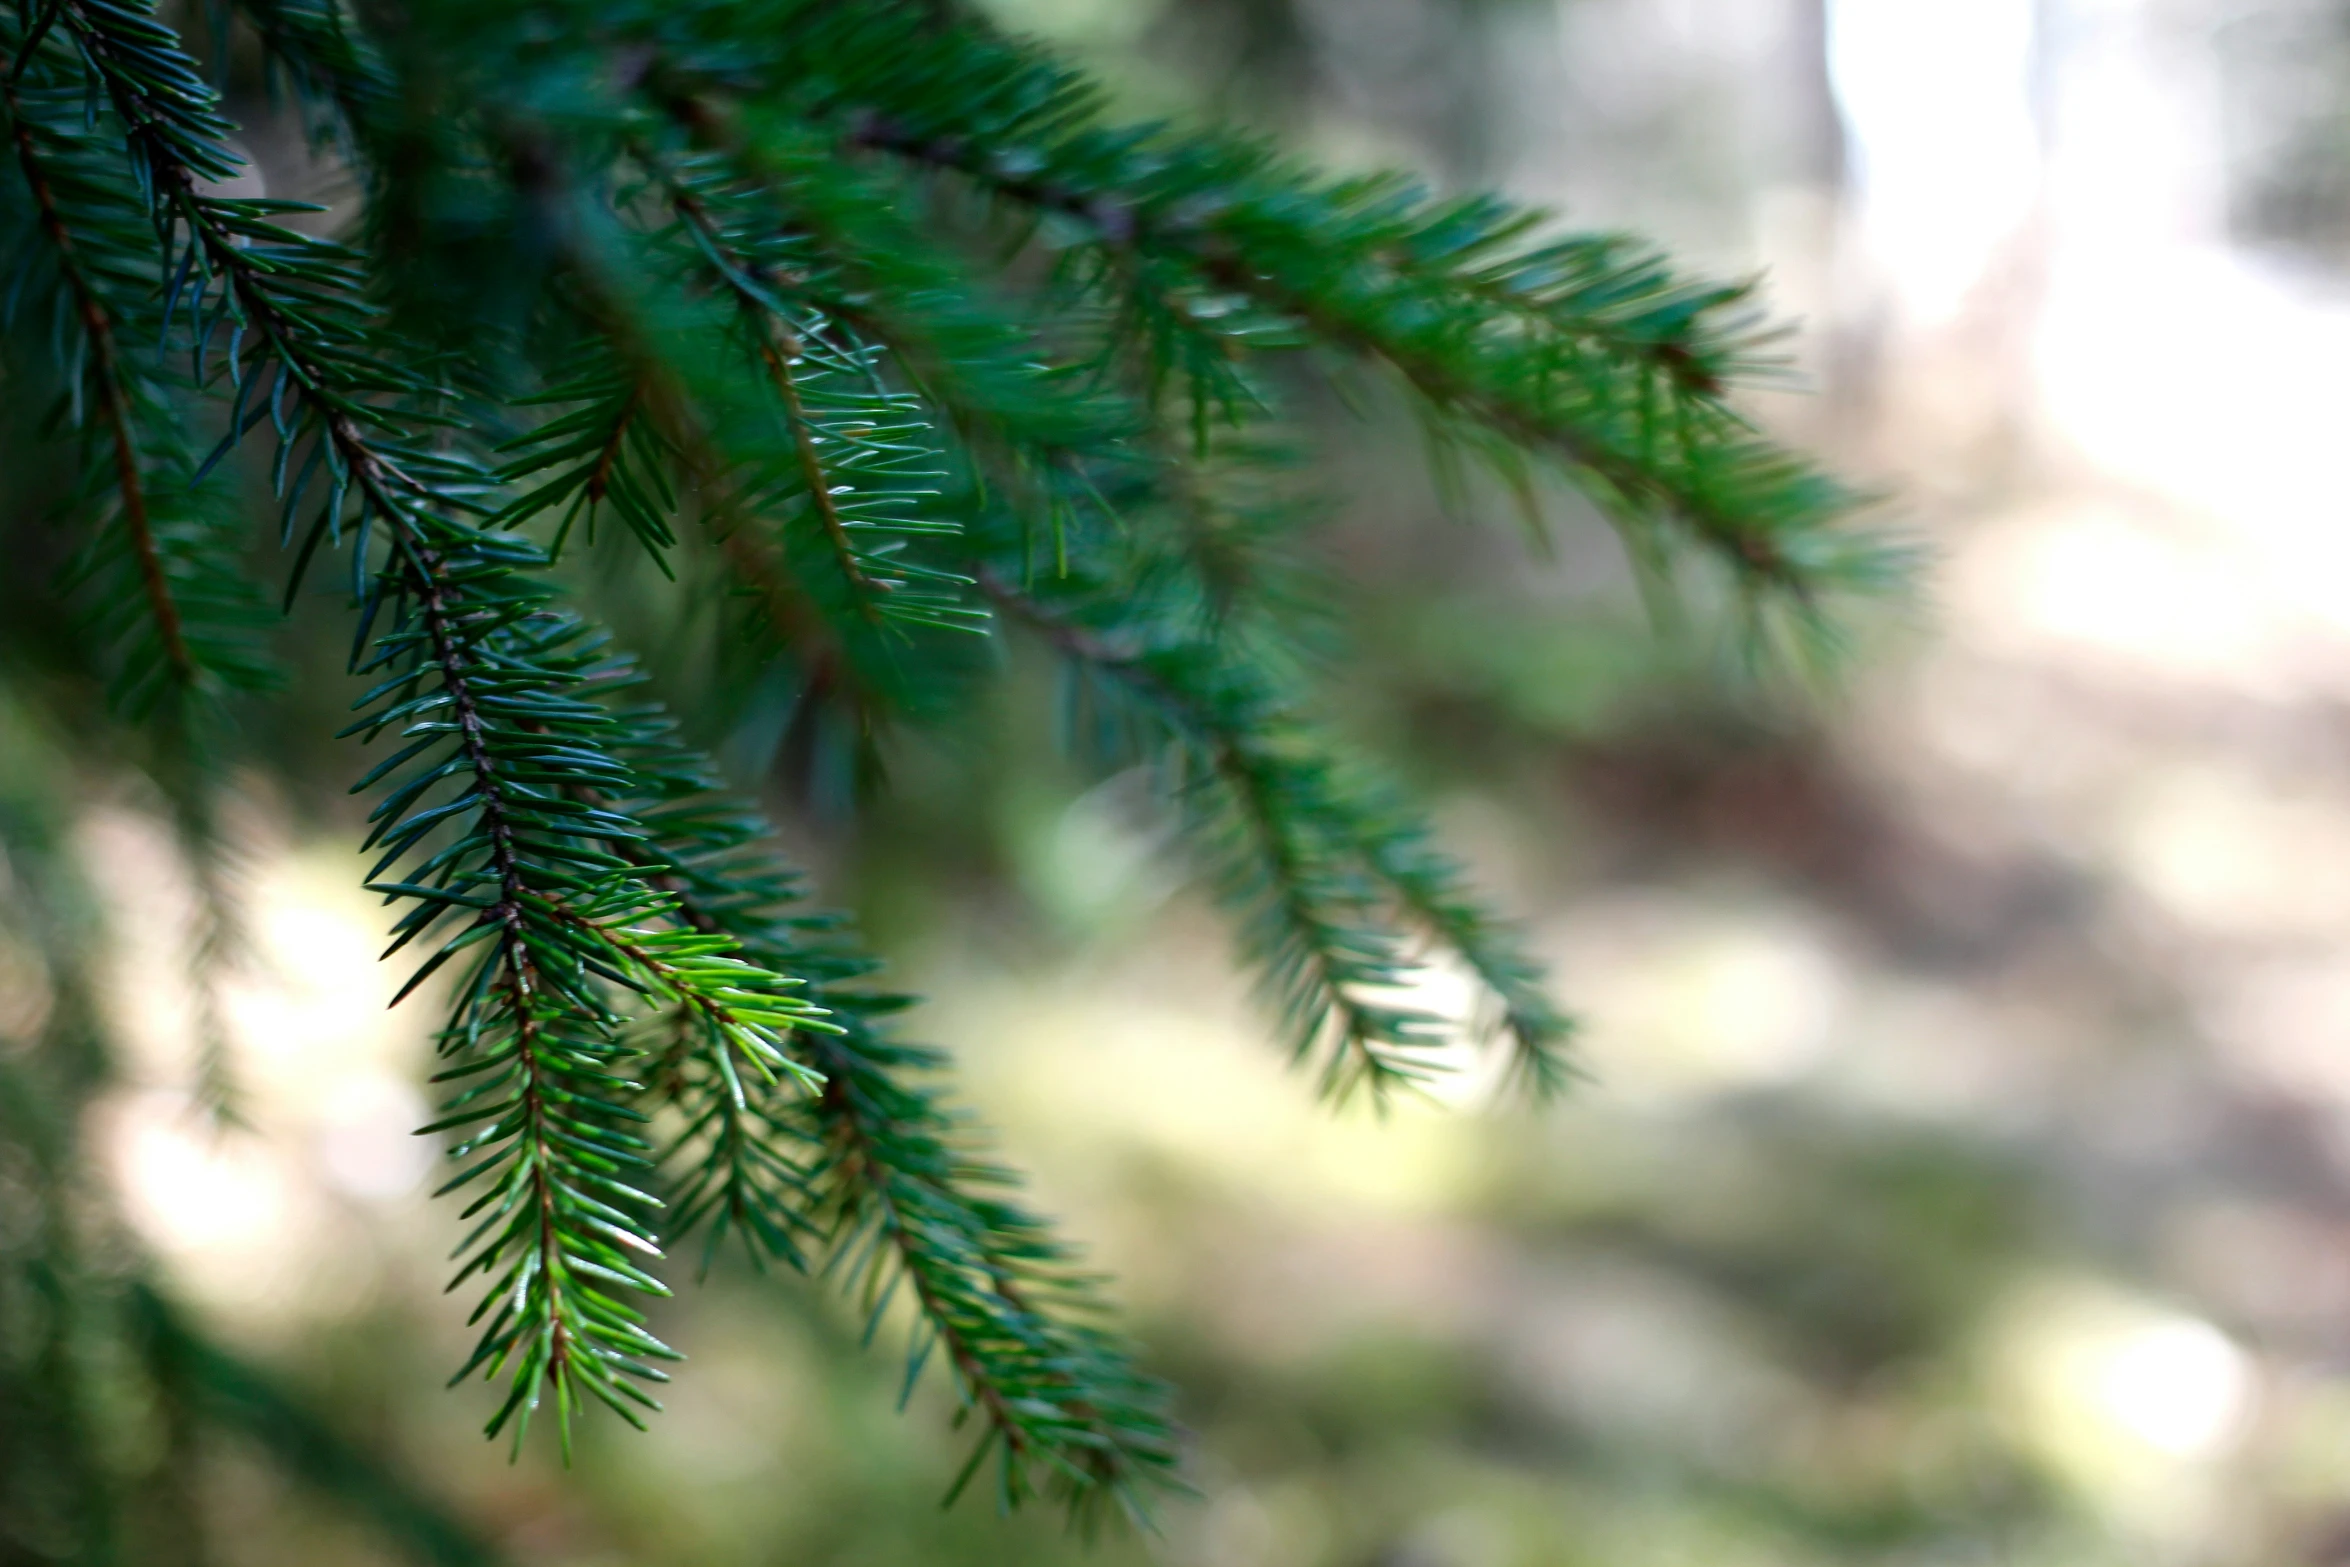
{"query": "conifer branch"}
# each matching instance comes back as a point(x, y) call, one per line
point(1431, 890)
point(543, 1035)
point(778, 347)
point(611, 446)
point(550, 1313)
point(778, 350)
point(153, 580)
point(700, 267)
point(1584, 349)
point(887, 1180)
point(857, 446)
point(626, 430)
point(106, 371)
point(982, 369)
point(1064, 1412)
point(1309, 916)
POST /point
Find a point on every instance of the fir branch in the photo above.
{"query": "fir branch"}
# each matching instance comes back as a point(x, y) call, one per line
point(886, 1179)
point(106, 371)
point(715, 314)
point(778, 347)
point(1585, 349)
point(610, 446)
point(156, 580)
point(1264, 817)
point(636, 437)
point(548, 917)
point(779, 351)
point(563, 1092)
point(557, 921)
point(1431, 890)
point(668, 403)
point(1063, 1413)
point(858, 447)
point(984, 370)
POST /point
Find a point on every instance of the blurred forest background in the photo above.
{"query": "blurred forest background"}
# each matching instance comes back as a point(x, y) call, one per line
point(1964, 1170)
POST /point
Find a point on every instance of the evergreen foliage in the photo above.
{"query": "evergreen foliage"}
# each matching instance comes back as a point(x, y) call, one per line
point(877, 332)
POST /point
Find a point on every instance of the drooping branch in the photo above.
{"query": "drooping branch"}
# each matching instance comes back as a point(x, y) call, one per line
point(108, 372)
point(1308, 909)
point(889, 1179)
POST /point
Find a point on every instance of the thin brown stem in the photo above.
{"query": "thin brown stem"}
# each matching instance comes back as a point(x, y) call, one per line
point(601, 477)
point(114, 397)
point(424, 578)
point(779, 350)
point(779, 347)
